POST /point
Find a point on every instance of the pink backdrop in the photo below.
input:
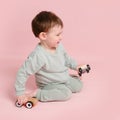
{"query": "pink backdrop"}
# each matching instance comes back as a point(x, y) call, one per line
point(91, 35)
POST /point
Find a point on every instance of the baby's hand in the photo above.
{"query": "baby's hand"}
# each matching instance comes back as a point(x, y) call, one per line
point(22, 99)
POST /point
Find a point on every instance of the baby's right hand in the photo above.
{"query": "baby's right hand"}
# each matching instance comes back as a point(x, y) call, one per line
point(22, 99)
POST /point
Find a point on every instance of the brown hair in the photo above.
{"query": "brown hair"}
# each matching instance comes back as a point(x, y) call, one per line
point(43, 21)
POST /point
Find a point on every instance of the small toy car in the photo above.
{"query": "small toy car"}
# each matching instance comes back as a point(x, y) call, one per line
point(83, 69)
point(29, 104)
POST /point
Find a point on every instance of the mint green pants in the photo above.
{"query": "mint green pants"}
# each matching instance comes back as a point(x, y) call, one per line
point(59, 92)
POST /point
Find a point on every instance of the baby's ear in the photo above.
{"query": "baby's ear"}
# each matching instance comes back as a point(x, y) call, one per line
point(43, 36)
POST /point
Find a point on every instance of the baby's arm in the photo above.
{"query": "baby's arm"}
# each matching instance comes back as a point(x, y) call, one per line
point(30, 67)
point(69, 61)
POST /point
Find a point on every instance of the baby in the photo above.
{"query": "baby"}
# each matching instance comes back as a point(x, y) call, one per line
point(49, 62)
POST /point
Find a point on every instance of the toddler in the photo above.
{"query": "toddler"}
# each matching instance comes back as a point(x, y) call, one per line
point(49, 62)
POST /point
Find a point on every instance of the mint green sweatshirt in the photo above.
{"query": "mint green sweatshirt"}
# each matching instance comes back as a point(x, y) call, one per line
point(47, 67)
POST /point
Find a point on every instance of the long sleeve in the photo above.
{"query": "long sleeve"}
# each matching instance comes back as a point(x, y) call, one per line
point(29, 67)
point(69, 61)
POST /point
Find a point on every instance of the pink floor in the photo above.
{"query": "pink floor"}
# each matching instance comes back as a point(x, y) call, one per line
point(91, 35)
point(98, 100)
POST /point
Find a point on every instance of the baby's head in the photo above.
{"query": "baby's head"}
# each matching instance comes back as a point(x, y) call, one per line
point(44, 21)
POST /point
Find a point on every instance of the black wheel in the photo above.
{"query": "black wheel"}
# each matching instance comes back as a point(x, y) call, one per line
point(88, 66)
point(29, 105)
point(80, 74)
point(87, 70)
point(18, 104)
point(80, 70)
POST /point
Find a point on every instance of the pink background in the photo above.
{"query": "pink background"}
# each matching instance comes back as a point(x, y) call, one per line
point(91, 35)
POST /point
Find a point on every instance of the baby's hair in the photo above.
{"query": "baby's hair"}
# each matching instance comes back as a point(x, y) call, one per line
point(43, 21)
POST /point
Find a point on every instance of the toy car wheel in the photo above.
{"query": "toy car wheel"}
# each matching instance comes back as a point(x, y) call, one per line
point(80, 74)
point(80, 70)
point(88, 66)
point(87, 70)
point(29, 105)
point(18, 104)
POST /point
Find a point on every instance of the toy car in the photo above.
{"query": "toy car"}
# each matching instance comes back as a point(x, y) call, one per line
point(29, 104)
point(83, 69)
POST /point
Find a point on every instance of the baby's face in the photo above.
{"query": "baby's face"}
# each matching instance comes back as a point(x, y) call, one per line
point(54, 36)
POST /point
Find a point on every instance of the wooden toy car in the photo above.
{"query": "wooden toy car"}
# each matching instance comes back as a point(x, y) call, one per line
point(29, 104)
point(83, 69)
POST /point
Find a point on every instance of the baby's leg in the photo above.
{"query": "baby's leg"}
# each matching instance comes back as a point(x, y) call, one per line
point(75, 84)
point(56, 92)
